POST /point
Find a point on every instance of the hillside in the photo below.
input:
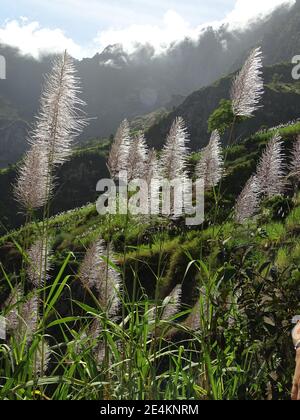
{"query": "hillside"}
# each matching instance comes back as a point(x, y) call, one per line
point(116, 84)
point(255, 271)
point(137, 304)
point(77, 181)
point(279, 106)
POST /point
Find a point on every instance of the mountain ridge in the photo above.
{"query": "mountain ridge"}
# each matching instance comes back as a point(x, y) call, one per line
point(282, 94)
point(118, 85)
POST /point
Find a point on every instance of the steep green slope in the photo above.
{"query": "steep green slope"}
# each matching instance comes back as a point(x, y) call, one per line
point(76, 184)
point(255, 269)
point(77, 179)
point(77, 226)
point(280, 105)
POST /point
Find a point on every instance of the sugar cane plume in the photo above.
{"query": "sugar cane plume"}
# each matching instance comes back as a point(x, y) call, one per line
point(100, 353)
point(152, 171)
point(38, 262)
point(171, 304)
point(248, 201)
point(117, 160)
point(97, 273)
point(31, 185)
point(12, 305)
point(211, 164)
point(175, 152)
point(295, 164)
point(89, 270)
point(194, 320)
point(41, 358)
point(103, 354)
point(95, 329)
point(248, 87)
point(270, 171)
point(29, 318)
point(89, 337)
point(22, 315)
point(137, 158)
point(60, 120)
point(58, 123)
point(152, 176)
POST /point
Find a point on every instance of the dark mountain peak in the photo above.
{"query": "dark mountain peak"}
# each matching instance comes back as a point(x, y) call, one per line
point(113, 49)
point(114, 56)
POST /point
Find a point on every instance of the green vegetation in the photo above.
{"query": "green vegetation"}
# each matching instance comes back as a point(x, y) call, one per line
point(247, 278)
point(222, 118)
point(153, 309)
point(209, 108)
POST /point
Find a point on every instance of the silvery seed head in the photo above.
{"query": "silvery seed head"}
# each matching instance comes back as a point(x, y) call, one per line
point(270, 171)
point(248, 201)
point(211, 164)
point(174, 154)
point(295, 164)
point(248, 87)
point(38, 262)
point(97, 272)
point(118, 156)
point(171, 304)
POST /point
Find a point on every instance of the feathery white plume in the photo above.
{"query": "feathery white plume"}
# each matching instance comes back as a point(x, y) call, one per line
point(270, 171)
point(295, 165)
point(41, 358)
point(32, 184)
point(88, 337)
point(117, 160)
point(247, 203)
point(171, 304)
point(38, 262)
point(95, 329)
point(174, 153)
point(92, 264)
point(22, 316)
point(210, 166)
point(29, 318)
point(96, 272)
point(137, 157)
point(153, 177)
point(152, 170)
point(59, 121)
point(248, 87)
point(12, 304)
point(194, 320)
point(100, 353)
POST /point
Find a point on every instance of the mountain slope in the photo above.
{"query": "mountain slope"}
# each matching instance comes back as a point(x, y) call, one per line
point(255, 269)
point(280, 105)
point(76, 185)
point(116, 84)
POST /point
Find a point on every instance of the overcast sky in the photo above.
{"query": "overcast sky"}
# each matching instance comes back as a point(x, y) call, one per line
point(87, 26)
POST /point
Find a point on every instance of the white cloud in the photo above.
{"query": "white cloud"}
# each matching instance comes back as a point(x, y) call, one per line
point(34, 40)
point(174, 28)
point(245, 10)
